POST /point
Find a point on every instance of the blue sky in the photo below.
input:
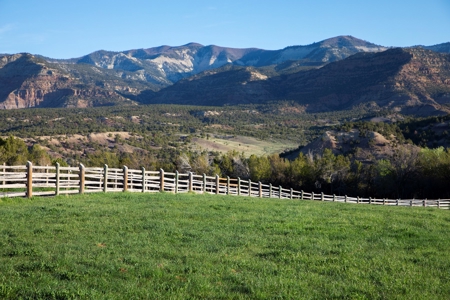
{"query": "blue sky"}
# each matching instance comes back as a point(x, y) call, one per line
point(67, 29)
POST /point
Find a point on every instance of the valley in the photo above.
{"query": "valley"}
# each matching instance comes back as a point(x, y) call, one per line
point(354, 152)
point(73, 134)
point(224, 150)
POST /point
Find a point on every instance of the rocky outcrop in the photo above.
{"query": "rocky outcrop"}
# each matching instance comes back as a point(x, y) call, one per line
point(364, 147)
point(34, 92)
point(412, 81)
point(27, 81)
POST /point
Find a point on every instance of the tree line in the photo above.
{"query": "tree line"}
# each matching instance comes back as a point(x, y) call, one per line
point(409, 172)
point(160, 136)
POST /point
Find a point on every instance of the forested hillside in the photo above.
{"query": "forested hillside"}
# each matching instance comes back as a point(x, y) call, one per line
point(352, 152)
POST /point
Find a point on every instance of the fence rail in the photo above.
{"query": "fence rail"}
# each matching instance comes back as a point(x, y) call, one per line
point(29, 181)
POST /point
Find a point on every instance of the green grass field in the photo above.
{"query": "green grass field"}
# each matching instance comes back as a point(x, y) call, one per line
point(165, 246)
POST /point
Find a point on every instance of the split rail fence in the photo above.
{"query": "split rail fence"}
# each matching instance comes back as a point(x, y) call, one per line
point(29, 181)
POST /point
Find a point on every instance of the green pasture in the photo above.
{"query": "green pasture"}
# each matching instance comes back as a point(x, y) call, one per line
point(187, 246)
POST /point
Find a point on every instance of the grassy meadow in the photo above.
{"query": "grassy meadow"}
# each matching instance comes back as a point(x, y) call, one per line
point(248, 145)
point(186, 246)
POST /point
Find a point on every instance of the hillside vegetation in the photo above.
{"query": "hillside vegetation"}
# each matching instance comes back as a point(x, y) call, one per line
point(384, 156)
point(188, 246)
point(163, 132)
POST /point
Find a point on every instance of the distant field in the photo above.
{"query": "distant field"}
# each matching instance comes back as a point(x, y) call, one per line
point(248, 145)
point(186, 246)
point(216, 142)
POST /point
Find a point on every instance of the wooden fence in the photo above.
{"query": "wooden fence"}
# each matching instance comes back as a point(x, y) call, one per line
point(29, 181)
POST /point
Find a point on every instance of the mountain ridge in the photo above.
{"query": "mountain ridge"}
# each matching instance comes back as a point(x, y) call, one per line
point(168, 64)
point(414, 81)
point(142, 75)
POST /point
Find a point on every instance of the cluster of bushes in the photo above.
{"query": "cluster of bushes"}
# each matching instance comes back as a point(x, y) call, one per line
point(407, 173)
point(15, 152)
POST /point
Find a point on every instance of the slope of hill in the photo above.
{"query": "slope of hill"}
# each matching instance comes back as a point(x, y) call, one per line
point(323, 52)
point(443, 48)
point(413, 81)
point(363, 145)
point(378, 138)
point(226, 85)
point(186, 246)
point(29, 81)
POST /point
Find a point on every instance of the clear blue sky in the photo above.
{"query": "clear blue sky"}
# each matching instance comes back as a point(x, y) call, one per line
point(67, 29)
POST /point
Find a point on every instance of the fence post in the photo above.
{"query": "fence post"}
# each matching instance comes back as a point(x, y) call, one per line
point(345, 199)
point(322, 197)
point(204, 183)
point(439, 203)
point(239, 186)
point(125, 178)
point(425, 202)
point(46, 174)
point(270, 190)
point(370, 200)
point(143, 179)
point(384, 201)
point(301, 194)
point(281, 192)
point(357, 199)
point(82, 178)
point(161, 180)
point(396, 202)
point(57, 175)
point(260, 194)
point(68, 178)
point(115, 179)
point(292, 193)
point(191, 181)
point(228, 185)
point(217, 184)
point(312, 195)
point(100, 182)
point(334, 197)
point(249, 187)
point(105, 178)
point(4, 171)
point(29, 179)
point(177, 176)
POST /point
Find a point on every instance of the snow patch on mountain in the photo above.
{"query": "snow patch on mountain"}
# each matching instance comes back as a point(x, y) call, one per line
point(168, 64)
point(371, 49)
point(293, 53)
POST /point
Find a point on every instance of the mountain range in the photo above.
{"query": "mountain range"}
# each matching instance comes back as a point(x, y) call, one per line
point(334, 74)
